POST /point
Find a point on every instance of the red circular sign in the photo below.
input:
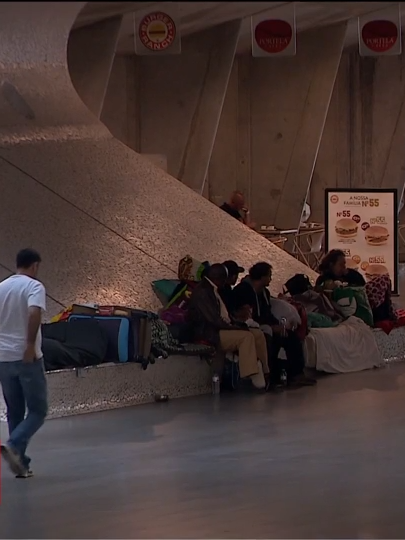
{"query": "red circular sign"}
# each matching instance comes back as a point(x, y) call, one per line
point(379, 36)
point(157, 31)
point(334, 199)
point(273, 36)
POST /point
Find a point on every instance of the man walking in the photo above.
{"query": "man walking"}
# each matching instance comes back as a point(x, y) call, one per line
point(22, 374)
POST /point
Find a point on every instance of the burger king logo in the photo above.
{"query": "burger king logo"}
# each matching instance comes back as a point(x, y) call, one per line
point(157, 31)
point(334, 199)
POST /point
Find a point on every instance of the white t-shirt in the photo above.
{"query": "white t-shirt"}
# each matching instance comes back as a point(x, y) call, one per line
point(17, 294)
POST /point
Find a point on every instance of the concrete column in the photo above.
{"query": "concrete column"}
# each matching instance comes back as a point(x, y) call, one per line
point(181, 99)
point(362, 143)
point(393, 175)
point(91, 51)
point(197, 154)
point(394, 170)
point(332, 168)
point(327, 46)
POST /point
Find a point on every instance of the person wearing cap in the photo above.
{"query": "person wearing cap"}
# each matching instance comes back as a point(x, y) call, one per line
point(211, 323)
point(225, 292)
point(253, 291)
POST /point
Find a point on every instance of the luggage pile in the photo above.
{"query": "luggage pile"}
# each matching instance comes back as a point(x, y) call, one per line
point(127, 331)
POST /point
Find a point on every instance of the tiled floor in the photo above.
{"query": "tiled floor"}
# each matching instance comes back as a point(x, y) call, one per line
point(315, 463)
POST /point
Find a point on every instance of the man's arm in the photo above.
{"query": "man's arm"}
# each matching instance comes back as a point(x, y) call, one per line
point(36, 305)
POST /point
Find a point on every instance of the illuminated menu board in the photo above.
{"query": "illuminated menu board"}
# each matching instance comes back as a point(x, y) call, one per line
point(364, 225)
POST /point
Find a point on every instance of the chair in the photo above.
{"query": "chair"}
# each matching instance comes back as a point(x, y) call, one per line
point(279, 241)
point(401, 234)
point(313, 250)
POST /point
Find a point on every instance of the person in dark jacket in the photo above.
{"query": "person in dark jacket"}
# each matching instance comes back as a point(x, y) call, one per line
point(236, 208)
point(225, 292)
point(212, 324)
point(253, 291)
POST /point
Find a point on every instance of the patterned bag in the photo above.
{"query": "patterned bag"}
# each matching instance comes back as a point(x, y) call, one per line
point(302, 330)
point(353, 301)
point(190, 269)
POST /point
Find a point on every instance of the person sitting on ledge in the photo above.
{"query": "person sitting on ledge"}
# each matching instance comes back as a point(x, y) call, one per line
point(225, 292)
point(212, 324)
point(253, 291)
point(333, 268)
point(333, 271)
point(237, 209)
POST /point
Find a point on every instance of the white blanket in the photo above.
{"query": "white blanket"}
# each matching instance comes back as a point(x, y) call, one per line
point(349, 347)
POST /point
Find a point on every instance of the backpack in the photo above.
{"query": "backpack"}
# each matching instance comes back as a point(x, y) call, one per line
point(298, 284)
point(302, 330)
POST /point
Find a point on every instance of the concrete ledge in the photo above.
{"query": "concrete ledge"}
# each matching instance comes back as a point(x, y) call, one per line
point(110, 386)
point(392, 346)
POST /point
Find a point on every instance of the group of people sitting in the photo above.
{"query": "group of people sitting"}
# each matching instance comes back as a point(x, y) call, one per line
point(238, 318)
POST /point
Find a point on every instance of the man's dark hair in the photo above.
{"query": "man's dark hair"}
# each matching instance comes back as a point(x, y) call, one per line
point(217, 272)
point(260, 270)
point(27, 257)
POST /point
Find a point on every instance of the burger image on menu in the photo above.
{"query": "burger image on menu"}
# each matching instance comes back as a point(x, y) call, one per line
point(346, 228)
point(376, 235)
point(375, 270)
point(351, 265)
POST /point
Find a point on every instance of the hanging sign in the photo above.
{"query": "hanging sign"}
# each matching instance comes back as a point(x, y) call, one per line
point(363, 224)
point(158, 32)
point(274, 33)
point(380, 32)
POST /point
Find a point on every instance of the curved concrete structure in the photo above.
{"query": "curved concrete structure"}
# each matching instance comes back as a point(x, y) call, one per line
point(106, 221)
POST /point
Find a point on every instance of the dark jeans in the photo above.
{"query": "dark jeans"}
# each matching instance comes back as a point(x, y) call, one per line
point(295, 363)
point(24, 387)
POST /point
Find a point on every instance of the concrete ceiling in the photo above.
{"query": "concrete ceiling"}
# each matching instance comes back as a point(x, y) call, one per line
point(197, 16)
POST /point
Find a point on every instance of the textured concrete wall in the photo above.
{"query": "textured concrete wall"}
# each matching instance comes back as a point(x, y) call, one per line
point(363, 141)
point(270, 127)
point(91, 52)
point(106, 220)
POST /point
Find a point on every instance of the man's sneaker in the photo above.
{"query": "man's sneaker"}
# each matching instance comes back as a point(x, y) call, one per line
point(13, 459)
point(26, 474)
point(258, 380)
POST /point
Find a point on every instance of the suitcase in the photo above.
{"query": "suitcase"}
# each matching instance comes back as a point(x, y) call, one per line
point(120, 343)
point(136, 333)
point(142, 336)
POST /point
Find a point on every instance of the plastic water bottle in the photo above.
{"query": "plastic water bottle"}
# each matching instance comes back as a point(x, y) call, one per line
point(215, 385)
point(283, 377)
point(284, 325)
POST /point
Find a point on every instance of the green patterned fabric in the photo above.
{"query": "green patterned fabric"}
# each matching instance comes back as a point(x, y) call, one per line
point(164, 344)
point(317, 320)
point(354, 301)
point(164, 288)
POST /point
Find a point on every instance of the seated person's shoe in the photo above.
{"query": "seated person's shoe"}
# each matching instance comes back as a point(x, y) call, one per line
point(273, 386)
point(258, 380)
point(301, 380)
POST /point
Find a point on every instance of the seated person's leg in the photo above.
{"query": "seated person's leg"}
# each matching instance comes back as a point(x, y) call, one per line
point(295, 359)
point(243, 342)
point(261, 348)
point(274, 344)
